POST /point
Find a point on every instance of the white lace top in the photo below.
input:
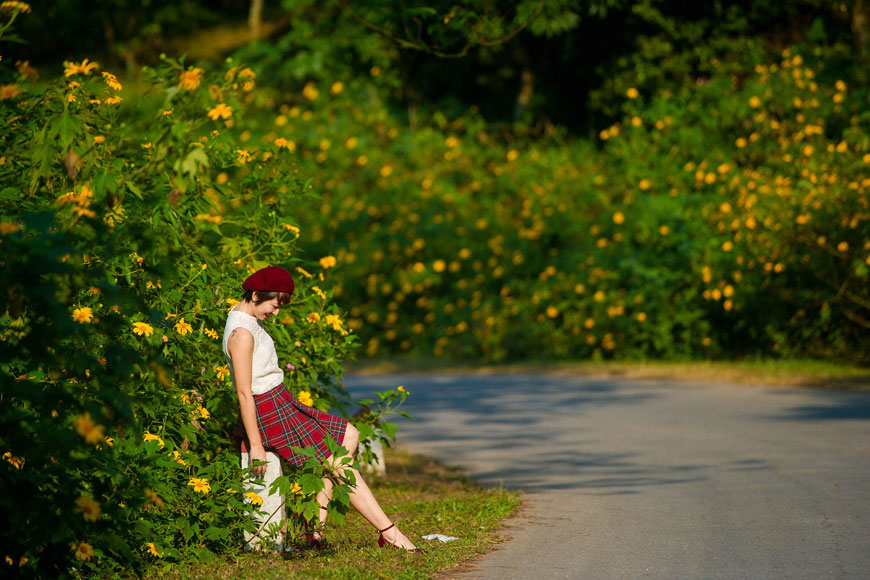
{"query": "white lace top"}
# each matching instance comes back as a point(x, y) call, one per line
point(266, 374)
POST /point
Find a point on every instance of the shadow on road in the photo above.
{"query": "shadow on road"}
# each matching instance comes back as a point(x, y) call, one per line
point(833, 405)
point(498, 425)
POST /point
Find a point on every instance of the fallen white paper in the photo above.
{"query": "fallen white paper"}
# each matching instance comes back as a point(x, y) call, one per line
point(441, 537)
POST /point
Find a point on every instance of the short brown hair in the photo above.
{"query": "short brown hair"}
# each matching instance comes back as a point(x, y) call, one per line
point(264, 296)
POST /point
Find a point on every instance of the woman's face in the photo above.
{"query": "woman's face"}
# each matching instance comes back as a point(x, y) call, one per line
point(267, 309)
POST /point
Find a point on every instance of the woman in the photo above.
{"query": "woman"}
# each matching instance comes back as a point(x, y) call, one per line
point(273, 418)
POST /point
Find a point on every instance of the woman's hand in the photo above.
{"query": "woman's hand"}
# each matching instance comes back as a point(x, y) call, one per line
point(258, 454)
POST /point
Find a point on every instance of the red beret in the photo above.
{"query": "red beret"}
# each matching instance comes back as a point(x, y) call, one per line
point(270, 279)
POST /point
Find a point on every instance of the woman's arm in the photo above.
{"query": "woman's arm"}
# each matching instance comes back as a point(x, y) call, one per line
point(241, 348)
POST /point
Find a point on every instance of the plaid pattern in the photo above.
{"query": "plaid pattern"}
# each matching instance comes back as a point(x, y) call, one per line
point(284, 422)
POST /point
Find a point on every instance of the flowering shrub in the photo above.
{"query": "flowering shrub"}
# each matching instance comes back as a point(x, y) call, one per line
point(726, 219)
point(129, 226)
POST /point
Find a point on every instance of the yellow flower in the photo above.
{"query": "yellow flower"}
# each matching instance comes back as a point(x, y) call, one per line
point(87, 428)
point(9, 92)
point(254, 498)
point(154, 498)
point(843, 246)
point(313, 317)
point(222, 111)
point(304, 272)
point(632, 93)
point(336, 87)
point(401, 389)
point(618, 217)
point(641, 316)
point(114, 100)
point(143, 328)
point(598, 296)
point(512, 155)
point(304, 397)
point(89, 508)
point(203, 412)
point(83, 68)
point(152, 549)
point(84, 551)
point(296, 489)
point(199, 484)
point(151, 437)
point(22, 7)
point(222, 372)
point(231, 302)
point(292, 228)
point(182, 328)
point(112, 81)
point(189, 80)
point(328, 261)
point(288, 145)
point(17, 462)
point(552, 311)
point(335, 321)
point(319, 292)
point(727, 246)
point(83, 315)
point(741, 142)
point(754, 102)
point(211, 333)
point(644, 184)
point(664, 230)
point(243, 156)
point(7, 228)
point(310, 92)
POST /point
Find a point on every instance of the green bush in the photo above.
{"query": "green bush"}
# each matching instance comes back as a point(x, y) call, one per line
point(127, 227)
point(690, 229)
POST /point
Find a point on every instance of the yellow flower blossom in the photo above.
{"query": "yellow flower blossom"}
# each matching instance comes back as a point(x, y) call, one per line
point(310, 91)
point(328, 262)
point(632, 93)
point(112, 81)
point(313, 317)
point(83, 315)
point(16, 462)
point(7, 228)
point(84, 551)
point(88, 428)
point(319, 292)
point(143, 329)
point(292, 228)
point(11, 6)
point(190, 80)
point(618, 217)
point(231, 303)
point(151, 437)
point(254, 498)
point(89, 508)
point(9, 92)
point(304, 272)
point(83, 68)
point(304, 397)
point(754, 102)
point(183, 328)
point(221, 111)
point(199, 485)
point(152, 549)
point(336, 87)
point(155, 499)
point(296, 489)
point(203, 412)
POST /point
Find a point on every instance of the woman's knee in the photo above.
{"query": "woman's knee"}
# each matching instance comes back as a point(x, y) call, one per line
point(351, 439)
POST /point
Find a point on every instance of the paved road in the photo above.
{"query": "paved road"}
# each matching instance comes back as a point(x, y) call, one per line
point(654, 479)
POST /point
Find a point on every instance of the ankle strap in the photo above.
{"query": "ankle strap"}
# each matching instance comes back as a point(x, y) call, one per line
point(387, 528)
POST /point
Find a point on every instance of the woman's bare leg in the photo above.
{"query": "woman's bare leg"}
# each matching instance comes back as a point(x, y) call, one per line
point(362, 498)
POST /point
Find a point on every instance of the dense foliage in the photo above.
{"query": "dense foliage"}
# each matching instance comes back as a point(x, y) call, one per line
point(720, 210)
point(127, 228)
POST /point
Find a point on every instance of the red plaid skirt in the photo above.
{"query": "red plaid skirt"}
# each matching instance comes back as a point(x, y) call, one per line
point(284, 422)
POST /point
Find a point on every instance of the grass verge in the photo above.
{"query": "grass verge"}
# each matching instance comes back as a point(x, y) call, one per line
point(786, 373)
point(422, 496)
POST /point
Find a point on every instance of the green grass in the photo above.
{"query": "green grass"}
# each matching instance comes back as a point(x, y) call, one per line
point(786, 373)
point(422, 496)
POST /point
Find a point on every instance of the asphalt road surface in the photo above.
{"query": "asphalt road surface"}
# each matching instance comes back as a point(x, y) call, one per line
point(659, 480)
